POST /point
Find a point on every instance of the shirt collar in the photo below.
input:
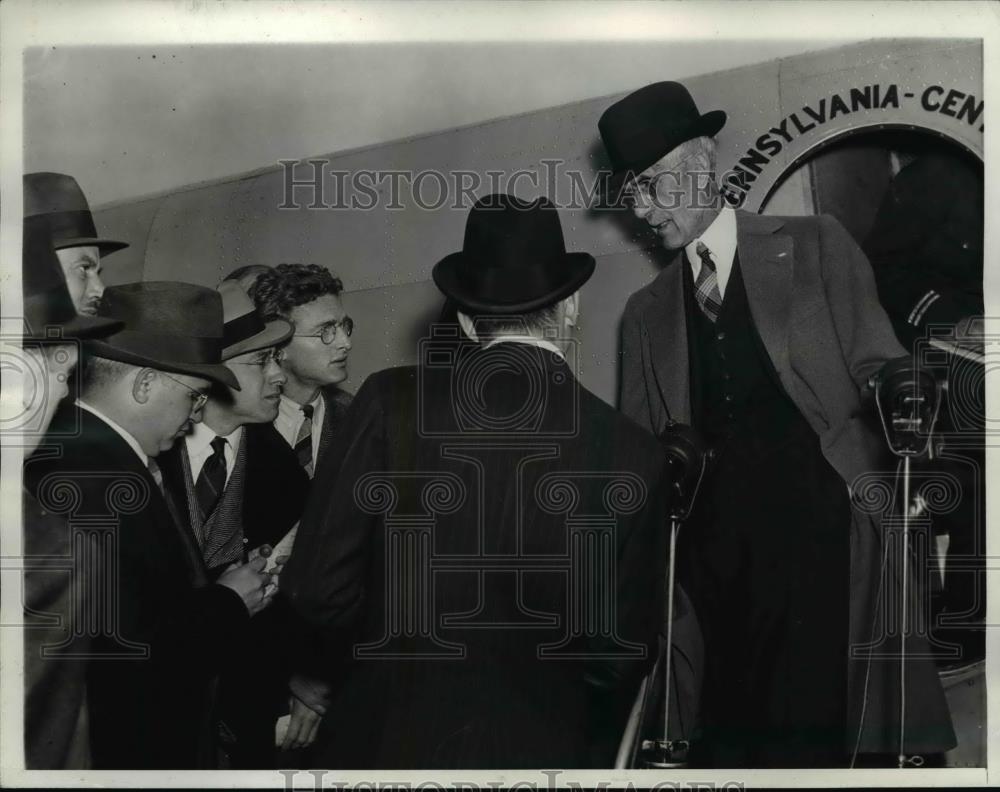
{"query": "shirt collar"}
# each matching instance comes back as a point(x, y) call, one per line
point(292, 410)
point(203, 435)
point(719, 237)
point(119, 429)
point(526, 339)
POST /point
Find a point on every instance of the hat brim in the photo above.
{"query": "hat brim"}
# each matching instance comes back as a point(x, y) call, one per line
point(275, 332)
point(104, 246)
point(707, 125)
point(81, 327)
point(572, 271)
point(215, 372)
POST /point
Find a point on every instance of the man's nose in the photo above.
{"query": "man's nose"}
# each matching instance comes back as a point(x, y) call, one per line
point(275, 373)
point(95, 285)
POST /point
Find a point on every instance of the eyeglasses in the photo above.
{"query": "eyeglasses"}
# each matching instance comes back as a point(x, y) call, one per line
point(329, 332)
point(198, 399)
point(274, 354)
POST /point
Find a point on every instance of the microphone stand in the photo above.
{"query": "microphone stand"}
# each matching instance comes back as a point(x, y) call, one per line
point(688, 456)
point(908, 399)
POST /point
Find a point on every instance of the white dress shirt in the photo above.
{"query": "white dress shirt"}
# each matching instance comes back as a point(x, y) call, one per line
point(290, 418)
point(199, 448)
point(720, 239)
point(122, 432)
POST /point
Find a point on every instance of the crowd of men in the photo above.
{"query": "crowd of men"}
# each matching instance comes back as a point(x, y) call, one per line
point(242, 533)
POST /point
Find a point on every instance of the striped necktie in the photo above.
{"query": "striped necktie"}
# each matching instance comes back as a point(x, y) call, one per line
point(303, 440)
point(212, 478)
point(706, 288)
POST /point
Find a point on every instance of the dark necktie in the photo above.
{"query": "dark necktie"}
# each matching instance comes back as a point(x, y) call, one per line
point(212, 479)
point(706, 288)
point(303, 440)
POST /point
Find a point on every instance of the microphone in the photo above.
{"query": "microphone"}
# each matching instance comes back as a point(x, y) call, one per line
point(908, 398)
point(687, 457)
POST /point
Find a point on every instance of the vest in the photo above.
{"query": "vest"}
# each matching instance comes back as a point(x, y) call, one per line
point(220, 536)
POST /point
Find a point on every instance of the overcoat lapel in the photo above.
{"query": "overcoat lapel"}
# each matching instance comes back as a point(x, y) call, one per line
point(665, 346)
point(767, 265)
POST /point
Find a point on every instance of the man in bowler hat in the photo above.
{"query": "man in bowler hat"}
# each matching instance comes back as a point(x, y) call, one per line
point(762, 332)
point(55, 713)
point(150, 679)
point(491, 460)
point(59, 205)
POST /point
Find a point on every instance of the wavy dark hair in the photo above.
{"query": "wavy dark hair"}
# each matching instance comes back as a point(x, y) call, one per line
point(279, 290)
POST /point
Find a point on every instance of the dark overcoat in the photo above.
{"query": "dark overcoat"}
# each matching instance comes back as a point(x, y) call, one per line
point(168, 630)
point(489, 545)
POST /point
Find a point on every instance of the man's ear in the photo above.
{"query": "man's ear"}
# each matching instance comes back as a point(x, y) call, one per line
point(142, 385)
point(571, 309)
point(468, 326)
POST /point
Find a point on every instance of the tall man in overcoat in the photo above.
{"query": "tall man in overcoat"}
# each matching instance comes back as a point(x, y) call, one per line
point(763, 332)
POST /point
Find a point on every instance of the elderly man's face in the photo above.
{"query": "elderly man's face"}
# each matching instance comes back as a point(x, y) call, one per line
point(82, 268)
point(676, 197)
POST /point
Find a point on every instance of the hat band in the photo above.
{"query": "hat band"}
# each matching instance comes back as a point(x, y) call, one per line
point(172, 348)
point(69, 225)
point(512, 285)
point(241, 328)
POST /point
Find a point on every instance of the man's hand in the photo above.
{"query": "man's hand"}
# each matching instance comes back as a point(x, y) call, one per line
point(250, 582)
point(302, 726)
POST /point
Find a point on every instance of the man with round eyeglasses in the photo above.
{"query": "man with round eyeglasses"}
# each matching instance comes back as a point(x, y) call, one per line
point(315, 358)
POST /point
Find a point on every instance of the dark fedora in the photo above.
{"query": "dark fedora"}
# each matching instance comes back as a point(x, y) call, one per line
point(245, 329)
point(514, 259)
point(649, 123)
point(49, 314)
point(169, 326)
point(58, 199)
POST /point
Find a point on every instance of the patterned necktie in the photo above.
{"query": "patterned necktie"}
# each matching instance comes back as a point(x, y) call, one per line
point(706, 288)
point(212, 479)
point(303, 440)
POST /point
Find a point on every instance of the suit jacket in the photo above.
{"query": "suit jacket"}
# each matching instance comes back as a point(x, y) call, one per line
point(150, 680)
point(336, 401)
point(926, 244)
point(813, 300)
point(476, 495)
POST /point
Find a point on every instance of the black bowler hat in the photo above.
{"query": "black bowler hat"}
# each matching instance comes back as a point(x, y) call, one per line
point(49, 313)
point(514, 259)
point(169, 326)
point(649, 123)
point(60, 203)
